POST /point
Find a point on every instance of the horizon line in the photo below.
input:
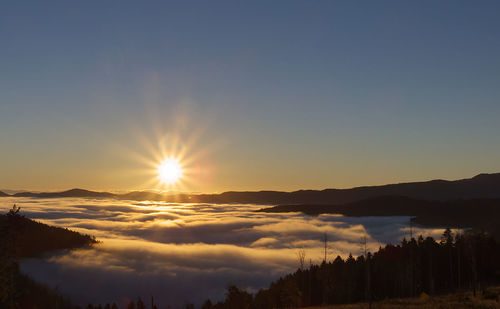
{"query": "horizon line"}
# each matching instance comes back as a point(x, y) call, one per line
point(116, 191)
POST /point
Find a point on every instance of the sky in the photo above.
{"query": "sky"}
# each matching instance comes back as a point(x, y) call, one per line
point(280, 95)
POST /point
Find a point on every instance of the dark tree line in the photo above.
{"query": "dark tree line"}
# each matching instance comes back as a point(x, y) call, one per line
point(457, 262)
point(139, 304)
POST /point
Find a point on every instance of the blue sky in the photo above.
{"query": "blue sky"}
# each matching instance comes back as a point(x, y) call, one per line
point(261, 95)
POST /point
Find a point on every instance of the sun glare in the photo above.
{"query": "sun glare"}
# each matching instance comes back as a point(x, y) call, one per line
point(170, 171)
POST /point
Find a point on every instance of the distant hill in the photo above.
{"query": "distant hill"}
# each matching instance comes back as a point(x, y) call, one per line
point(68, 193)
point(142, 195)
point(3, 194)
point(463, 213)
point(378, 206)
point(480, 186)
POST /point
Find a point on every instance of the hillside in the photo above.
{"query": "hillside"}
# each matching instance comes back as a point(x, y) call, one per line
point(456, 262)
point(479, 213)
point(378, 206)
point(22, 237)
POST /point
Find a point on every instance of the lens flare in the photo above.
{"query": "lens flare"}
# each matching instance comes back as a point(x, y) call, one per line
point(170, 171)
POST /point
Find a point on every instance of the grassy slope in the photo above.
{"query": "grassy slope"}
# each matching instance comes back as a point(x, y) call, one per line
point(489, 299)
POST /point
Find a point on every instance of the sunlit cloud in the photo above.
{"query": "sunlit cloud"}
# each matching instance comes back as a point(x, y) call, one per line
point(148, 248)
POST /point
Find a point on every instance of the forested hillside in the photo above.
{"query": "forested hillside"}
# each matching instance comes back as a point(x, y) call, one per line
point(21, 237)
point(456, 262)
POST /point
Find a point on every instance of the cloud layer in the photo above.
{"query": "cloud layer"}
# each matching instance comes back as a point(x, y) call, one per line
point(188, 252)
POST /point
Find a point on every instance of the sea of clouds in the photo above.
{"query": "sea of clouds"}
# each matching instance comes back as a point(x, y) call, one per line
point(181, 253)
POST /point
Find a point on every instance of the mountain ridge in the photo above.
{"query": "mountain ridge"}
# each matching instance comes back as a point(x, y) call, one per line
point(479, 186)
point(479, 213)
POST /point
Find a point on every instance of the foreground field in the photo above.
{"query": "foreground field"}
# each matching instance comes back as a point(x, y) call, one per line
point(489, 299)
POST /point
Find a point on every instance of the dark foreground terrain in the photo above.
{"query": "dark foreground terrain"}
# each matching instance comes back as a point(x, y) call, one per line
point(462, 300)
point(21, 237)
point(462, 262)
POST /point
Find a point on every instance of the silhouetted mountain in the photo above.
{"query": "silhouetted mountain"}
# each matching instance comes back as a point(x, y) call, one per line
point(480, 186)
point(476, 213)
point(68, 193)
point(378, 206)
point(3, 194)
point(479, 213)
point(141, 195)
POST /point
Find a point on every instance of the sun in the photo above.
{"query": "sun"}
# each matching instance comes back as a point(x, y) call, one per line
point(169, 171)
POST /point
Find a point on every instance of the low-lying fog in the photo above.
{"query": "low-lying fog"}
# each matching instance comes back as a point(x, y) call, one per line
point(182, 253)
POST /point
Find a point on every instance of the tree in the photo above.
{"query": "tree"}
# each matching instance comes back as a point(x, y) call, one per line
point(237, 299)
point(131, 305)
point(207, 304)
point(14, 212)
point(447, 241)
point(301, 256)
point(447, 237)
point(140, 304)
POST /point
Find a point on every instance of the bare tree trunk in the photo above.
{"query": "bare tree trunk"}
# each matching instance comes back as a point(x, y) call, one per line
point(459, 274)
point(450, 257)
point(431, 274)
point(326, 244)
point(368, 280)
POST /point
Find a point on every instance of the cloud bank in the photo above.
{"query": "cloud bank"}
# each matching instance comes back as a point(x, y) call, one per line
point(189, 252)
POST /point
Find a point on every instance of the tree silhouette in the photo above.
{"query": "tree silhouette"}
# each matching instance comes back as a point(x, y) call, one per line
point(140, 304)
point(207, 304)
point(413, 267)
point(237, 299)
